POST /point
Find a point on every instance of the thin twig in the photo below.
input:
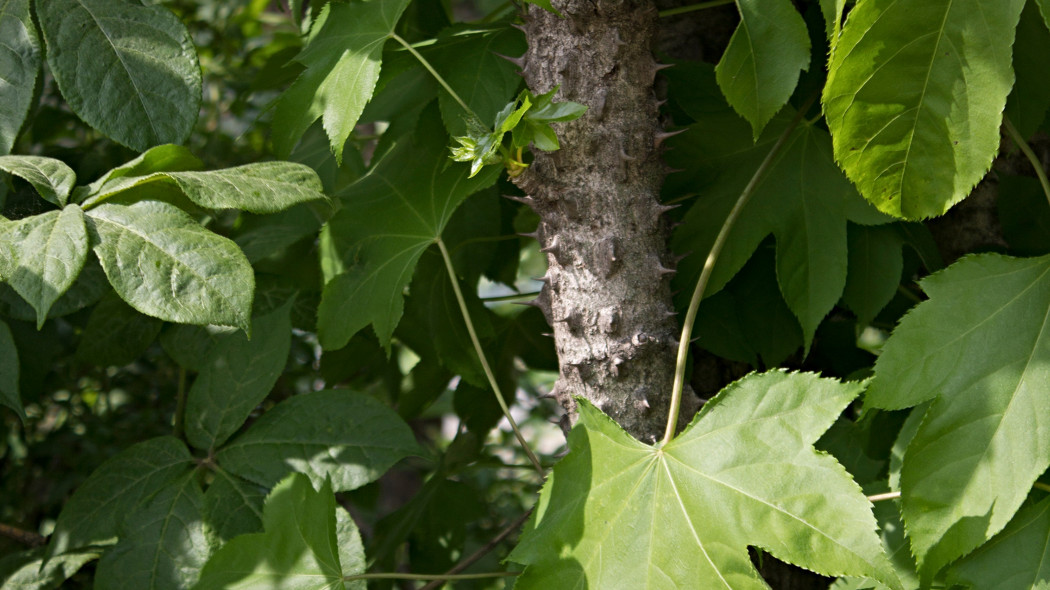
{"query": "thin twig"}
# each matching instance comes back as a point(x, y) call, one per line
point(464, 564)
point(886, 496)
point(442, 577)
point(694, 7)
point(27, 538)
point(433, 72)
point(1041, 486)
point(1027, 150)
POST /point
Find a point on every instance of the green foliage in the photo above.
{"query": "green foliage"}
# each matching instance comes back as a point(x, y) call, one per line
point(20, 60)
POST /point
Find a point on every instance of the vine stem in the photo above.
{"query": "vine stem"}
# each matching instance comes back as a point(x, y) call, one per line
point(1041, 486)
point(1027, 150)
point(482, 552)
point(180, 405)
point(886, 496)
point(444, 577)
point(433, 72)
point(709, 266)
point(481, 356)
point(694, 7)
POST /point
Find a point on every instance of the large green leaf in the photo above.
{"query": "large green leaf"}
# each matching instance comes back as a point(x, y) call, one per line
point(342, 58)
point(51, 250)
point(300, 548)
point(233, 506)
point(128, 70)
point(50, 177)
point(162, 158)
point(20, 62)
point(164, 264)
point(9, 370)
point(760, 67)
point(264, 187)
point(980, 349)
point(163, 543)
point(116, 334)
point(387, 219)
point(97, 509)
point(29, 571)
point(238, 374)
point(617, 513)
point(1016, 558)
point(336, 434)
point(915, 96)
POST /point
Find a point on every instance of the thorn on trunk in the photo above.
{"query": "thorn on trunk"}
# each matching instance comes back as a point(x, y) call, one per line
point(531, 202)
point(660, 136)
point(518, 61)
point(534, 235)
point(624, 157)
point(664, 271)
point(519, 27)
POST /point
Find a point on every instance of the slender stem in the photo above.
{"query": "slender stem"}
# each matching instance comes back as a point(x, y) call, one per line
point(511, 297)
point(433, 72)
point(1027, 150)
point(444, 577)
point(709, 266)
point(481, 357)
point(1041, 486)
point(27, 538)
point(482, 552)
point(180, 405)
point(694, 7)
point(886, 496)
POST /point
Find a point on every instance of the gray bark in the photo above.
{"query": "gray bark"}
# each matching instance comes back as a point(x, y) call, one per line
point(606, 293)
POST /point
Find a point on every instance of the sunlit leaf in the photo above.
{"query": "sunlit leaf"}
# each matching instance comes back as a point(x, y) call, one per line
point(52, 178)
point(29, 571)
point(20, 61)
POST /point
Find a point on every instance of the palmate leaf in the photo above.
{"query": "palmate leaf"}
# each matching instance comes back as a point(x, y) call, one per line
point(760, 67)
point(128, 70)
point(1016, 558)
point(617, 513)
point(20, 61)
point(342, 58)
point(164, 264)
point(979, 348)
point(52, 178)
point(233, 506)
point(306, 545)
point(915, 96)
point(387, 219)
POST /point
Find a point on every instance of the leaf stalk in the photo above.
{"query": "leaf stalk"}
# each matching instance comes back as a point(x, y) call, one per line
point(1015, 135)
point(437, 76)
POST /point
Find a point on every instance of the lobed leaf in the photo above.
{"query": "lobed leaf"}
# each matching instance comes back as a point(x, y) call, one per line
point(915, 96)
point(52, 178)
point(979, 349)
point(618, 513)
point(334, 435)
point(164, 264)
point(233, 506)
point(128, 70)
point(20, 61)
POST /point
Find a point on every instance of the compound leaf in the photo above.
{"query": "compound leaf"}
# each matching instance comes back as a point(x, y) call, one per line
point(20, 62)
point(915, 97)
point(619, 513)
point(337, 435)
point(164, 264)
point(979, 348)
point(128, 70)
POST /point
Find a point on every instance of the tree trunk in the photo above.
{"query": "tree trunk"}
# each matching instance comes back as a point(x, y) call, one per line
point(606, 293)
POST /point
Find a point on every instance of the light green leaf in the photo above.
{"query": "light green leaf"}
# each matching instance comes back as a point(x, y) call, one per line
point(342, 58)
point(264, 187)
point(387, 219)
point(832, 11)
point(1016, 558)
point(619, 513)
point(9, 371)
point(51, 250)
point(979, 349)
point(128, 70)
point(162, 158)
point(760, 67)
point(298, 550)
point(335, 434)
point(164, 264)
point(50, 177)
point(97, 508)
point(915, 96)
point(28, 570)
point(237, 375)
point(233, 506)
point(20, 62)
point(163, 543)
point(116, 334)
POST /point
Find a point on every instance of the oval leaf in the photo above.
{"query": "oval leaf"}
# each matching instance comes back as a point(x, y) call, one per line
point(128, 70)
point(915, 97)
point(50, 177)
point(164, 264)
point(20, 62)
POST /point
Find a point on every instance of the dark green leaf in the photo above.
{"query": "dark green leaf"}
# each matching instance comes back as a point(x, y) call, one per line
point(50, 177)
point(619, 513)
point(299, 549)
point(915, 96)
point(116, 334)
point(262, 237)
point(87, 289)
point(237, 375)
point(875, 267)
point(51, 249)
point(233, 506)
point(760, 67)
point(1030, 98)
point(342, 59)
point(128, 70)
point(28, 570)
point(163, 542)
point(1018, 557)
point(166, 265)
point(9, 369)
point(335, 434)
point(96, 510)
point(1024, 215)
point(387, 220)
point(20, 62)
point(189, 345)
point(977, 348)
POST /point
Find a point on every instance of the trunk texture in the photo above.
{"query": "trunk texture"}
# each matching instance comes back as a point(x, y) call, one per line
point(606, 292)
